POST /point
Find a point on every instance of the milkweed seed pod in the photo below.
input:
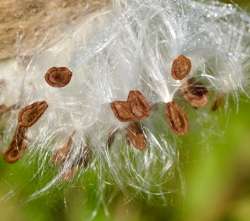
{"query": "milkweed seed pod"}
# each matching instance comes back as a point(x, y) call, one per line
point(120, 66)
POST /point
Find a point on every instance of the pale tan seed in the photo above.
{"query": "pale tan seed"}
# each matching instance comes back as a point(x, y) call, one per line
point(181, 67)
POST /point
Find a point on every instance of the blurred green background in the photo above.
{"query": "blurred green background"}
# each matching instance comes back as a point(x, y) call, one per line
point(217, 182)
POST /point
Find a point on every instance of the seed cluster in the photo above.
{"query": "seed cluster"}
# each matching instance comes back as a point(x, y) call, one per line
point(136, 107)
point(29, 115)
point(132, 111)
point(55, 77)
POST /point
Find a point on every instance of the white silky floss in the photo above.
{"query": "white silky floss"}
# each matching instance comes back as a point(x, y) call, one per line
point(131, 45)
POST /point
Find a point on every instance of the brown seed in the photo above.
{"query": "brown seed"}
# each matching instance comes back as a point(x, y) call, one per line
point(61, 154)
point(122, 111)
point(195, 93)
point(181, 67)
point(136, 136)
point(219, 102)
point(30, 114)
point(58, 76)
point(177, 118)
point(17, 146)
point(139, 105)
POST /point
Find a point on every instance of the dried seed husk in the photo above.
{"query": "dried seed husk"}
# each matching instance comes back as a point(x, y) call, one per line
point(30, 114)
point(177, 118)
point(140, 107)
point(218, 103)
point(17, 146)
point(195, 93)
point(181, 67)
point(122, 111)
point(58, 76)
point(136, 136)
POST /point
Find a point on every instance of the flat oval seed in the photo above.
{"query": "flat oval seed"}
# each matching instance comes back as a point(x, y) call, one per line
point(177, 118)
point(30, 114)
point(17, 146)
point(122, 111)
point(58, 76)
point(139, 105)
point(181, 67)
point(136, 136)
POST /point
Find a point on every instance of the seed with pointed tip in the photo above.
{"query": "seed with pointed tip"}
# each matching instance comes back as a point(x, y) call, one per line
point(177, 118)
point(139, 105)
point(30, 114)
point(58, 76)
point(136, 136)
point(181, 67)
